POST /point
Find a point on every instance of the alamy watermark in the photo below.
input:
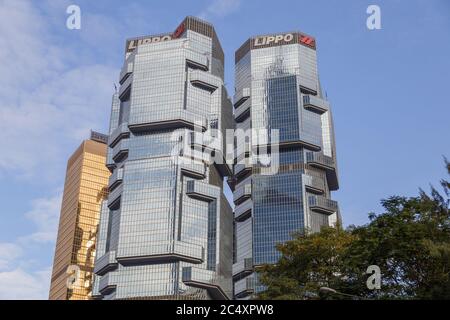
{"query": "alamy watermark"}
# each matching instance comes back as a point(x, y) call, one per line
point(74, 277)
point(374, 280)
point(73, 21)
point(373, 21)
point(251, 147)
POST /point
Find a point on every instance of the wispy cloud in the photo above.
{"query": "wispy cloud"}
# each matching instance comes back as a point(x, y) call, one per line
point(45, 215)
point(220, 8)
point(21, 277)
point(18, 284)
point(46, 102)
point(9, 252)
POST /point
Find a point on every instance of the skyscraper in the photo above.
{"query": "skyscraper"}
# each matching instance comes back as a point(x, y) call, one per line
point(277, 88)
point(84, 189)
point(166, 228)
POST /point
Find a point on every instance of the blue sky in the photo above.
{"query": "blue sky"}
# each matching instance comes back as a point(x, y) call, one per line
point(388, 89)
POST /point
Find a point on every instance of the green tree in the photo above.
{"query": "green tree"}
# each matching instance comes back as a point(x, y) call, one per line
point(410, 242)
point(307, 263)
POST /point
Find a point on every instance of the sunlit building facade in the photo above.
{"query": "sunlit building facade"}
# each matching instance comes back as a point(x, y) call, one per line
point(166, 228)
point(277, 88)
point(84, 190)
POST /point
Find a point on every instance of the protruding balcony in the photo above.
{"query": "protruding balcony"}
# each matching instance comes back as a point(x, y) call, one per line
point(114, 197)
point(121, 132)
point(193, 169)
point(115, 179)
point(242, 168)
point(202, 191)
point(120, 150)
point(321, 161)
point(204, 80)
point(172, 119)
point(110, 164)
point(105, 263)
point(243, 268)
point(126, 71)
point(243, 111)
point(241, 96)
point(322, 205)
point(307, 140)
point(204, 279)
point(244, 287)
point(189, 252)
point(242, 193)
point(243, 211)
point(316, 104)
point(108, 283)
point(314, 184)
point(125, 85)
point(196, 60)
point(162, 252)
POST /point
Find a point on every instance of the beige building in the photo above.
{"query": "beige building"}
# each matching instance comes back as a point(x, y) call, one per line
point(84, 189)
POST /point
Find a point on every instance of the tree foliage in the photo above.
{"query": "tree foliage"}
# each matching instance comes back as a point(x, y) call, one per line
point(409, 241)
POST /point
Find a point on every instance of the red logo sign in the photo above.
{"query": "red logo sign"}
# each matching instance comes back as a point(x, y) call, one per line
point(179, 31)
point(308, 41)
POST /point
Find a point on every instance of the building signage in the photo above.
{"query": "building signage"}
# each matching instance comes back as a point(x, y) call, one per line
point(273, 40)
point(307, 41)
point(134, 43)
point(282, 39)
point(179, 31)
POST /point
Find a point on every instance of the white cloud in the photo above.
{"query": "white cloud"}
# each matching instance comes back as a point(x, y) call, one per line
point(47, 105)
point(9, 252)
point(50, 97)
point(21, 285)
point(23, 54)
point(220, 8)
point(45, 215)
point(19, 278)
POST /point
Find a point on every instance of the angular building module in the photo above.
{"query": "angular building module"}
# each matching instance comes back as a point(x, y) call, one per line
point(166, 228)
point(277, 88)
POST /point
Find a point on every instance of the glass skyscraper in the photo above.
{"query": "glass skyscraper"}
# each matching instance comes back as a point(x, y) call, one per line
point(166, 228)
point(277, 88)
point(85, 187)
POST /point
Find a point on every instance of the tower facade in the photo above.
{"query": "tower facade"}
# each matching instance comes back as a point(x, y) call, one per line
point(278, 88)
point(166, 228)
point(84, 189)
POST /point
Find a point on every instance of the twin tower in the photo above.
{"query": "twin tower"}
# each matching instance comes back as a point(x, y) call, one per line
point(166, 229)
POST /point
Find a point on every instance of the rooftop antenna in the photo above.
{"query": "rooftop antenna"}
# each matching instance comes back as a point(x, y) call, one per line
point(115, 87)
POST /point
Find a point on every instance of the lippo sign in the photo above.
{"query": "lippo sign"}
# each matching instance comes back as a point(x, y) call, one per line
point(134, 43)
point(273, 40)
point(281, 39)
